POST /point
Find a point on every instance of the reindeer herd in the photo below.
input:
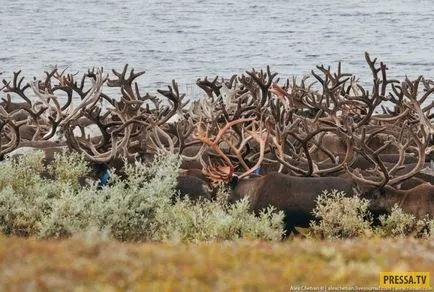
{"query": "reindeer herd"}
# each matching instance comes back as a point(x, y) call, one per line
point(277, 142)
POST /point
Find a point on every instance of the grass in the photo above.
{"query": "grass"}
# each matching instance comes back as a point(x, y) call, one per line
point(89, 264)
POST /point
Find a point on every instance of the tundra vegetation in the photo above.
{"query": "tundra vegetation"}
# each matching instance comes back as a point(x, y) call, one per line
point(138, 208)
point(49, 202)
point(257, 158)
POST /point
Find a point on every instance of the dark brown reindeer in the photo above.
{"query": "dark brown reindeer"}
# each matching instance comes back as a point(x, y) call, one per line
point(419, 200)
point(130, 129)
point(135, 126)
point(43, 111)
point(295, 196)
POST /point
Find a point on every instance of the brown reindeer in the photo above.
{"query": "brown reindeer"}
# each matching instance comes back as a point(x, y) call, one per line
point(302, 128)
point(419, 200)
point(295, 196)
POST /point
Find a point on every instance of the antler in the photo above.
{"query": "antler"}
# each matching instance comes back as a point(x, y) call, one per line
point(175, 100)
point(210, 87)
point(90, 100)
point(264, 81)
point(202, 135)
point(418, 137)
point(122, 81)
point(11, 130)
point(17, 86)
point(410, 90)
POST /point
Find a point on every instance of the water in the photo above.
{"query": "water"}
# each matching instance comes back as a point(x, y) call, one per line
point(188, 39)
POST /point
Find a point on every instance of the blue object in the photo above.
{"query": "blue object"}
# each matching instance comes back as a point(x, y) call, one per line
point(104, 179)
point(258, 170)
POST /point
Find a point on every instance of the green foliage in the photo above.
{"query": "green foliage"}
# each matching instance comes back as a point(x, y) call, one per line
point(70, 212)
point(19, 174)
point(25, 195)
point(68, 168)
point(400, 224)
point(396, 224)
point(425, 228)
point(127, 207)
point(216, 220)
point(340, 216)
point(50, 203)
point(349, 217)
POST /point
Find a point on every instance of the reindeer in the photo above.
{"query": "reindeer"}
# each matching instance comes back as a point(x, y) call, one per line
point(262, 127)
point(296, 196)
point(419, 200)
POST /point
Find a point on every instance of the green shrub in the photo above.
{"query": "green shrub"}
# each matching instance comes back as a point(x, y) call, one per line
point(25, 196)
point(348, 217)
point(70, 212)
point(22, 174)
point(340, 216)
point(127, 207)
point(216, 220)
point(50, 203)
point(68, 168)
point(400, 224)
point(396, 224)
point(425, 228)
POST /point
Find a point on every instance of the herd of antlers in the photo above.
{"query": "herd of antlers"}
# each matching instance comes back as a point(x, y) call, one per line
point(321, 125)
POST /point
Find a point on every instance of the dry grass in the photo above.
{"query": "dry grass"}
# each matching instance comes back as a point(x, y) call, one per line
point(78, 264)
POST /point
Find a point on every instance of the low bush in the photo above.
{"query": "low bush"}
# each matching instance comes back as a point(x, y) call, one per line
point(127, 206)
point(425, 228)
point(50, 203)
point(216, 220)
point(400, 224)
point(396, 224)
point(27, 196)
point(340, 216)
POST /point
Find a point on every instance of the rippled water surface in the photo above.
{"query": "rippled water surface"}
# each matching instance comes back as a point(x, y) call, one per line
point(187, 39)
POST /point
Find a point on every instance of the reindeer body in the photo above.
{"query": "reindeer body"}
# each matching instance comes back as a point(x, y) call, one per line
point(296, 196)
point(193, 187)
point(418, 201)
point(14, 106)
